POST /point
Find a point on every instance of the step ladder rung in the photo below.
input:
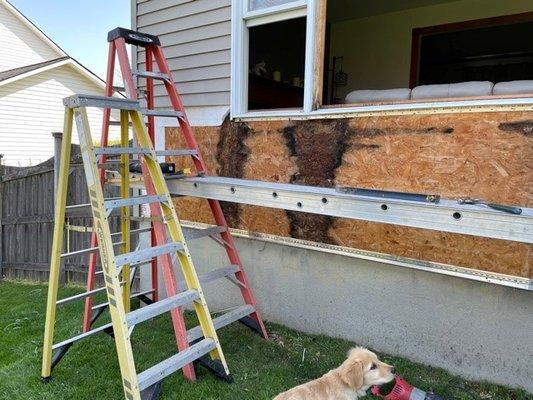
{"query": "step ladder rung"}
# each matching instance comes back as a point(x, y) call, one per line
point(172, 364)
point(162, 113)
point(132, 296)
point(213, 275)
point(151, 75)
point(80, 296)
point(177, 152)
point(222, 321)
point(121, 150)
point(200, 233)
point(161, 306)
point(134, 201)
point(90, 100)
point(81, 336)
point(146, 254)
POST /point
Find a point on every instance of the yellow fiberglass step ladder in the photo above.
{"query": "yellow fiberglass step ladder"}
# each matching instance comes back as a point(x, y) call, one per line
point(169, 241)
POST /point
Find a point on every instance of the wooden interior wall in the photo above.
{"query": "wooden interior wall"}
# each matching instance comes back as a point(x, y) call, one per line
point(486, 155)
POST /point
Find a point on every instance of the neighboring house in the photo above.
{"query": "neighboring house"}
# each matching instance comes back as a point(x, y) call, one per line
point(423, 96)
point(35, 75)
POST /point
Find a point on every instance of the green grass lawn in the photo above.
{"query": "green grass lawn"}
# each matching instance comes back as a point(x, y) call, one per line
point(260, 369)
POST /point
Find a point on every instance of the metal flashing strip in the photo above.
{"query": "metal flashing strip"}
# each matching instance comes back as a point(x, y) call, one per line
point(421, 265)
point(446, 215)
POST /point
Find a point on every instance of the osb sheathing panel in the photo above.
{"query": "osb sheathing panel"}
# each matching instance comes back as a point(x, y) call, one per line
point(485, 155)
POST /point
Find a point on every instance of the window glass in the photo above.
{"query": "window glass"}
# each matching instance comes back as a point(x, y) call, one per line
point(258, 4)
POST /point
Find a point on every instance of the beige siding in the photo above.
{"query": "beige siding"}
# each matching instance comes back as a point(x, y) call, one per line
point(31, 108)
point(20, 45)
point(196, 36)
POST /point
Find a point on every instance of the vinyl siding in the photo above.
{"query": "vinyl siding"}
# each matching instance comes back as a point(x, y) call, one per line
point(20, 45)
point(196, 36)
point(32, 108)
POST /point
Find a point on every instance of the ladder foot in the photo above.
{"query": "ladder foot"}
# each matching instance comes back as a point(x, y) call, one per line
point(152, 392)
point(46, 379)
point(253, 325)
point(215, 367)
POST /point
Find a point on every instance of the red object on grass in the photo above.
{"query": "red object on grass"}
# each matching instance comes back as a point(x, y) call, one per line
point(401, 391)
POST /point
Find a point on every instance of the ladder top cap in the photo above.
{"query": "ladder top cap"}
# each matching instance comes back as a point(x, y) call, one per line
point(90, 100)
point(133, 37)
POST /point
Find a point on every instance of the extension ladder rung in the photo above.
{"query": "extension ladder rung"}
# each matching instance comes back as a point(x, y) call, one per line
point(121, 150)
point(162, 113)
point(166, 367)
point(161, 306)
point(214, 275)
point(177, 152)
point(200, 233)
point(133, 231)
point(146, 254)
point(81, 336)
point(83, 205)
point(132, 296)
point(134, 201)
point(151, 75)
point(222, 321)
point(85, 251)
point(89, 100)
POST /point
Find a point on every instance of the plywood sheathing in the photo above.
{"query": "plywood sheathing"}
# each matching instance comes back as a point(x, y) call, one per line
point(189, 208)
point(268, 160)
point(458, 155)
point(485, 155)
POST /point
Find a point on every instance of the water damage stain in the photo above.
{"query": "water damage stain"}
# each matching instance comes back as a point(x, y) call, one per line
point(232, 155)
point(317, 147)
point(524, 127)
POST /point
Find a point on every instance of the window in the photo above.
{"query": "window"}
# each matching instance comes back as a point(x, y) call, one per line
point(317, 57)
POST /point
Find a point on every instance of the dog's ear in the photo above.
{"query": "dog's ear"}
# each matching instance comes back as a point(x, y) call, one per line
point(351, 373)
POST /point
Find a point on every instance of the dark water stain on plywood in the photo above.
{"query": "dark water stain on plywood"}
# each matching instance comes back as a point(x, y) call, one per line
point(524, 127)
point(232, 154)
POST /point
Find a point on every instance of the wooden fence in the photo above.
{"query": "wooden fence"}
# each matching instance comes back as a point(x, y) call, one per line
point(27, 221)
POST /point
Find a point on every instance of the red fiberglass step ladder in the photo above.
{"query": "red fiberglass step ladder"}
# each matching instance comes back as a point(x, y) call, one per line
point(118, 38)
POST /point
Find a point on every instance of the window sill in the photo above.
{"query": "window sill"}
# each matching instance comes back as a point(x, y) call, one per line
point(444, 106)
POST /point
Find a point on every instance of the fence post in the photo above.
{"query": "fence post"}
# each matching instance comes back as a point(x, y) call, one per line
point(1, 213)
point(58, 137)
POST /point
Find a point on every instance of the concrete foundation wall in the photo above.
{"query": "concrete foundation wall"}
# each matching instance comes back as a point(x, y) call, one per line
point(477, 330)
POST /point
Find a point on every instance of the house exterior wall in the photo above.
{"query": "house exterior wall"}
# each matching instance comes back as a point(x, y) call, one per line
point(20, 45)
point(196, 41)
point(31, 108)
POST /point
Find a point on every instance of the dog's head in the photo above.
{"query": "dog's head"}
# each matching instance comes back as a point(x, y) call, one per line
point(362, 370)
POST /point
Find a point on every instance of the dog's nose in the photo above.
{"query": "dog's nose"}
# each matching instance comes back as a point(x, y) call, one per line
point(392, 370)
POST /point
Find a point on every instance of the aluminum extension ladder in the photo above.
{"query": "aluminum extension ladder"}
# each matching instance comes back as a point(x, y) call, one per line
point(194, 344)
point(248, 314)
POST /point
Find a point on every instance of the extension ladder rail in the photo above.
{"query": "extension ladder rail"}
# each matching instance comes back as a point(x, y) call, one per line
point(143, 385)
point(154, 55)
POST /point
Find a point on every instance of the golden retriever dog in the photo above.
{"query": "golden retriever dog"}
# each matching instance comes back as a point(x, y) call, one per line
point(350, 381)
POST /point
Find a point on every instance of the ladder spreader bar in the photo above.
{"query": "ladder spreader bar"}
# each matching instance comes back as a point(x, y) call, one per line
point(81, 336)
point(178, 152)
point(161, 306)
point(89, 100)
point(146, 254)
point(150, 74)
point(162, 113)
point(446, 215)
point(200, 233)
point(121, 150)
point(133, 201)
point(166, 367)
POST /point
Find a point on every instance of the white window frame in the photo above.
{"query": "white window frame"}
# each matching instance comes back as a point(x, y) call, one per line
point(242, 19)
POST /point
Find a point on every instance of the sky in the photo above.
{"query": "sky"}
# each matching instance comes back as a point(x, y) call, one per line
point(79, 27)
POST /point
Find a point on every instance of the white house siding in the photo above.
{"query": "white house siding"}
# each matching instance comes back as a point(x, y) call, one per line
point(31, 108)
point(20, 45)
point(196, 37)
